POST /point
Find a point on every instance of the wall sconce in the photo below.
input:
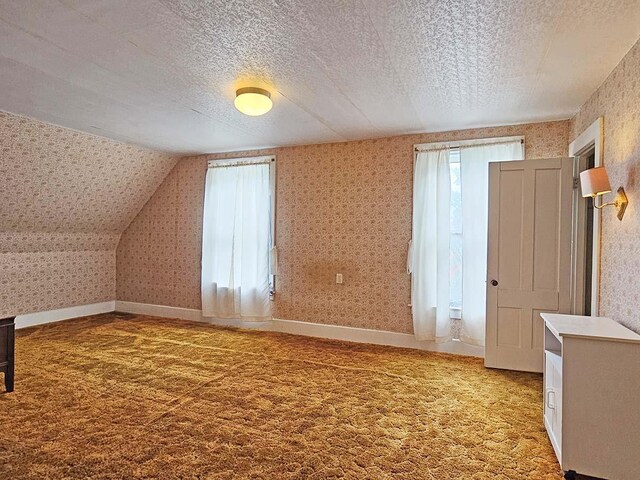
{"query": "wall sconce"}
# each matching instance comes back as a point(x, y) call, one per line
point(595, 182)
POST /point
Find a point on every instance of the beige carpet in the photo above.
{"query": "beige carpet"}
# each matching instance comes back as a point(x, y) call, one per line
point(123, 397)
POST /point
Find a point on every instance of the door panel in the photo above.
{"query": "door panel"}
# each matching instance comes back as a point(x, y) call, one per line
point(545, 276)
point(529, 256)
point(509, 327)
point(537, 338)
point(510, 237)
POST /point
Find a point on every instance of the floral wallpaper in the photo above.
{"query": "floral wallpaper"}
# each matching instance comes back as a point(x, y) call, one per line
point(66, 198)
point(41, 281)
point(342, 207)
point(618, 101)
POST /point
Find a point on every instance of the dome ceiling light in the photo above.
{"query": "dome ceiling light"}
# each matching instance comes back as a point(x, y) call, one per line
point(253, 101)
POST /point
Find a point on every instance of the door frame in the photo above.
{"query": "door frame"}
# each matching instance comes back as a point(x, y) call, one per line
point(591, 138)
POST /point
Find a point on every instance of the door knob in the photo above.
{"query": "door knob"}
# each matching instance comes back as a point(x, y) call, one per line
point(494, 283)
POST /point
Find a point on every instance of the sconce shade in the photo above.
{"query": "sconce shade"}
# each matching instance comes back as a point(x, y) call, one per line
point(594, 182)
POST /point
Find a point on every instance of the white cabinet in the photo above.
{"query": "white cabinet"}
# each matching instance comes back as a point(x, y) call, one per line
point(592, 395)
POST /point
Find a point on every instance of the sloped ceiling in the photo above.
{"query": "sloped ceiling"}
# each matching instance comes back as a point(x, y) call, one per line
point(56, 182)
point(162, 73)
point(66, 198)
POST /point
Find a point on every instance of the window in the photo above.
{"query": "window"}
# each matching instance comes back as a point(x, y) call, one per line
point(447, 258)
point(238, 252)
point(455, 249)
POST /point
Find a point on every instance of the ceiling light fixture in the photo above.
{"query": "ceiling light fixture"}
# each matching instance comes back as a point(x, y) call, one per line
point(253, 101)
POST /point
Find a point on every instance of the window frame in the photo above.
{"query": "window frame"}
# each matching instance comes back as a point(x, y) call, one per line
point(455, 313)
point(264, 159)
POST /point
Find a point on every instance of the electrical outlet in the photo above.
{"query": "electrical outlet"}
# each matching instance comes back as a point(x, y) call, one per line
point(338, 278)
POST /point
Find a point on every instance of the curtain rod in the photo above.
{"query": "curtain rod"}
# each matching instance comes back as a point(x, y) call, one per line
point(236, 163)
point(462, 143)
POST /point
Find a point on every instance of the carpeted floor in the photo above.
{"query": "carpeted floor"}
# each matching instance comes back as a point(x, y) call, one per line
point(125, 397)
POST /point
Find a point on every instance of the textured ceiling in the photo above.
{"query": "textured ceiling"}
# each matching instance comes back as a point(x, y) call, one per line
point(162, 73)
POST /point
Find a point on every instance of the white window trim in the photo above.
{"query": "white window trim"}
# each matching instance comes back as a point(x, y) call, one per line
point(271, 160)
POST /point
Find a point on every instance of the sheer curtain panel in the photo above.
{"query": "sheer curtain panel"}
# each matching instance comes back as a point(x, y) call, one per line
point(474, 173)
point(429, 260)
point(236, 246)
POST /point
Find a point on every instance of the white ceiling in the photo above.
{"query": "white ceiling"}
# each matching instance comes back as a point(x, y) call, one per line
point(162, 73)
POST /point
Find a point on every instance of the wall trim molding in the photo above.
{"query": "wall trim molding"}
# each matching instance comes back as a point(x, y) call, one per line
point(593, 136)
point(158, 310)
point(307, 329)
point(376, 337)
point(48, 316)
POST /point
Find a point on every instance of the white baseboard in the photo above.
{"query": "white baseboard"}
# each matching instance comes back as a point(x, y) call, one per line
point(158, 310)
point(39, 318)
point(376, 337)
point(334, 332)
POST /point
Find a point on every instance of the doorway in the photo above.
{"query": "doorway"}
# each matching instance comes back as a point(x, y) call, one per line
point(586, 151)
point(588, 262)
point(582, 290)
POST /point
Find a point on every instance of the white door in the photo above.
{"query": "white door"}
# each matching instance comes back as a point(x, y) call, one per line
point(529, 257)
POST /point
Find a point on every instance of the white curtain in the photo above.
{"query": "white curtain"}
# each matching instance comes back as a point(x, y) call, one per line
point(429, 260)
point(236, 243)
point(474, 176)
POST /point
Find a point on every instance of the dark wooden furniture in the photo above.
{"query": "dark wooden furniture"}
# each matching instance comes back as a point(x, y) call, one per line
point(7, 348)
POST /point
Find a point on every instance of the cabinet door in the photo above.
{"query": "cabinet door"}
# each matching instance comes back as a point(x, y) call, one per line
point(557, 403)
point(553, 400)
point(548, 388)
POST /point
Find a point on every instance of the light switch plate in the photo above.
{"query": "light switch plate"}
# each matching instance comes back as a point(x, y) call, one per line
point(338, 278)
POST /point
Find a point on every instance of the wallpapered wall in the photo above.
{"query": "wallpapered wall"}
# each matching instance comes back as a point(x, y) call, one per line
point(343, 207)
point(618, 101)
point(66, 198)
